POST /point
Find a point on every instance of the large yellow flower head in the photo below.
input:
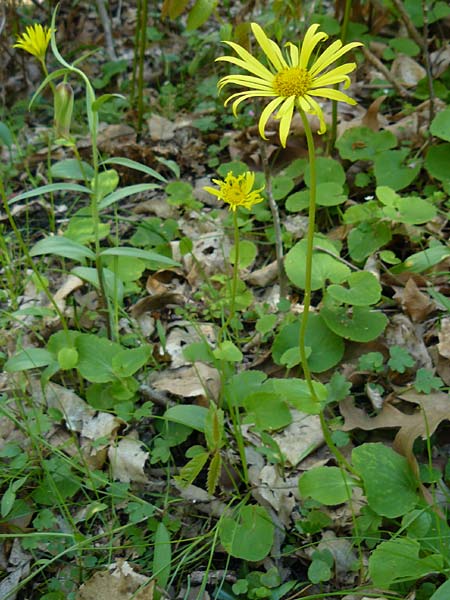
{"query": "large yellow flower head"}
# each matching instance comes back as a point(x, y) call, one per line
point(35, 41)
point(237, 191)
point(289, 80)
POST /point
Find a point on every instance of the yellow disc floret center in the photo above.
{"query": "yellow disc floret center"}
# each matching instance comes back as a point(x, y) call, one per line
point(232, 190)
point(292, 82)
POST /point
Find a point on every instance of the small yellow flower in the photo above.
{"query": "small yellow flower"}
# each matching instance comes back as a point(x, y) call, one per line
point(237, 191)
point(35, 40)
point(289, 80)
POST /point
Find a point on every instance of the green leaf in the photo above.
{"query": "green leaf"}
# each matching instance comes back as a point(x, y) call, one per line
point(327, 485)
point(426, 381)
point(391, 171)
point(325, 266)
point(200, 13)
point(132, 164)
point(363, 289)
point(247, 254)
point(62, 246)
point(267, 410)
point(249, 535)
point(421, 261)
point(6, 136)
point(70, 168)
point(29, 358)
point(327, 170)
point(188, 414)
point(367, 238)
point(281, 186)
point(360, 324)
point(214, 470)
point(437, 161)
point(440, 125)
point(52, 187)
point(113, 285)
point(327, 348)
point(361, 143)
point(390, 486)
point(320, 567)
point(241, 385)
point(214, 429)
point(138, 253)
point(107, 182)
point(162, 556)
point(400, 359)
point(189, 472)
point(96, 357)
point(443, 592)
point(126, 362)
point(125, 192)
point(398, 560)
point(228, 351)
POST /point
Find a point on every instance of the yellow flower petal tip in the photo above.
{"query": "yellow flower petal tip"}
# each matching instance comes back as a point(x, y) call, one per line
point(237, 191)
point(289, 79)
point(35, 40)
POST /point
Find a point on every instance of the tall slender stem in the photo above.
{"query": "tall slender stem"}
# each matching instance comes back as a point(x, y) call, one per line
point(235, 266)
point(307, 296)
point(309, 252)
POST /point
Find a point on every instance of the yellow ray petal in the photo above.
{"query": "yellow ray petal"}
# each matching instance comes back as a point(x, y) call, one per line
point(248, 58)
point(294, 54)
point(332, 94)
point(241, 96)
point(251, 82)
point(259, 71)
point(285, 113)
point(270, 48)
point(315, 109)
point(331, 54)
point(268, 110)
point(310, 41)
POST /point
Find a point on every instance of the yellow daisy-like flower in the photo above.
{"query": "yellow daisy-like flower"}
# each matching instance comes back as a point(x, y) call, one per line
point(289, 80)
point(35, 40)
point(237, 191)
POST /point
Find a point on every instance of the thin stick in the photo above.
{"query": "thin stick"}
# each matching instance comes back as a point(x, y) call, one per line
point(276, 223)
point(106, 24)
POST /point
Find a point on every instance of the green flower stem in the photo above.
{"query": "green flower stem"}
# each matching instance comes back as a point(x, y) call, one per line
point(309, 253)
point(235, 266)
point(340, 458)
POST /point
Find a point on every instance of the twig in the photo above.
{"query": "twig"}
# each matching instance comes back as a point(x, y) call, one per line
point(106, 24)
point(426, 55)
point(376, 62)
point(409, 24)
point(276, 223)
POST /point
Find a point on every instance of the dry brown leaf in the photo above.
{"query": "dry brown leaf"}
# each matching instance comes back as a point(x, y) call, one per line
point(407, 71)
point(187, 382)
point(300, 438)
point(120, 582)
point(435, 408)
point(127, 460)
point(160, 128)
point(417, 304)
point(402, 332)
point(444, 338)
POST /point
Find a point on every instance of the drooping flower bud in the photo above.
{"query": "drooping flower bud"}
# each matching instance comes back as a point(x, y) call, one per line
point(63, 107)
